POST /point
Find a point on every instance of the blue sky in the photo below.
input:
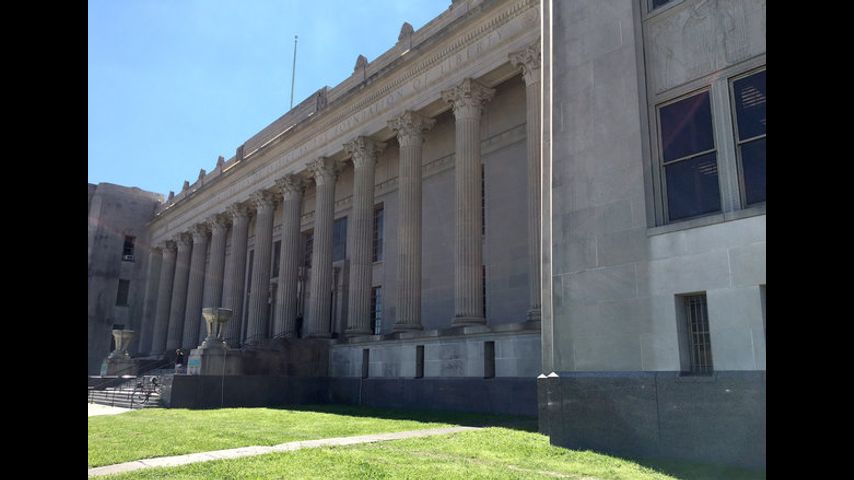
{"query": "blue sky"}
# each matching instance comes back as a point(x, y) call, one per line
point(175, 83)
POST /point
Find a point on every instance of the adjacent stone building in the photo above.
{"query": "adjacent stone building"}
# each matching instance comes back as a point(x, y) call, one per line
point(117, 261)
point(569, 190)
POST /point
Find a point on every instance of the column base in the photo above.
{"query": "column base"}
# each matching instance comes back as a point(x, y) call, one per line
point(319, 335)
point(534, 315)
point(459, 320)
point(406, 327)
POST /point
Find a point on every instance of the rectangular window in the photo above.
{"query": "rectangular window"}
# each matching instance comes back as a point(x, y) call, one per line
point(659, 3)
point(339, 239)
point(419, 361)
point(277, 257)
point(488, 359)
point(127, 248)
point(308, 246)
point(483, 288)
point(482, 200)
point(122, 296)
point(378, 233)
point(249, 266)
point(695, 340)
point(748, 94)
point(689, 160)
point(366, 357)
point(377, 310)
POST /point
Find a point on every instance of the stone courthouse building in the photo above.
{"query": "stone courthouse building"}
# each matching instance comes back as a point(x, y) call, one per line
point(540, 207)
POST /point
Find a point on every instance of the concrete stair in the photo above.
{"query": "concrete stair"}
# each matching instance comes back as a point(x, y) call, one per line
point(125, 395)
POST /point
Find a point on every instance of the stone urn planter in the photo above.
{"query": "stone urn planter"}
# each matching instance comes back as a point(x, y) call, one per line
point(123, 339)
point(215, 318)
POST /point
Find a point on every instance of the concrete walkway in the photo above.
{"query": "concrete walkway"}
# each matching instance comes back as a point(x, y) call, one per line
point(96, 409)
point(252, 451)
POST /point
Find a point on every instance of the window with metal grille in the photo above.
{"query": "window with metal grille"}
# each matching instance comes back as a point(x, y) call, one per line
point(689, 159)
point(748, 94)
point(308, 246)
point(122, 295)
point(696, 340)
point(378, 233)
point(245, 320)
point(377, 310)
point(127, 248)
point(659, 3)
point(366, 357)
point(339, 239)
point(277, 257)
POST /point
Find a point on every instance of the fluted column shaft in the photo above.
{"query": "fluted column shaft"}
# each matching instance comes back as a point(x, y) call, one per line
point(529, 60)
point(468, 100)
point(409, 128)
point(325, 174)
point(195, 289)
point(258, 295)
point(236, 272)
point(286, 302)
point(179, 293)
point(149, 306)
point(164, 299)
point(214, 273)
point(364, 152)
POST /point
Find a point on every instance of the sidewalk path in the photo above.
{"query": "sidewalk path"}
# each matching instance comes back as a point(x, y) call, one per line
point(96, 409)
point(252, 451)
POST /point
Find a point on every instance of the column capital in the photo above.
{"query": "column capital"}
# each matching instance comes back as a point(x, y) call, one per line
point(263, 200)
point(468, 98)
point(291, 185)
point(168, 245)
point(529, 59)
point(238, 210)
point(324, 170)
point(218, 222)
point(410, 127)
point(199, 232)
point(363, 150)
point(183, 240)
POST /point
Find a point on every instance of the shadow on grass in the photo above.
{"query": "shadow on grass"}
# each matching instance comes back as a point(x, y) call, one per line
point(701, 471)
point(468, 419)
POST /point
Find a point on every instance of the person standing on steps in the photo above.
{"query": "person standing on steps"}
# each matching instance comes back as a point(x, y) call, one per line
point(179, 360)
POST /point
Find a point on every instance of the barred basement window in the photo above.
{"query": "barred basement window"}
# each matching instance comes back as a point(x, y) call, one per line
point(122, 296)
point(749, 98)
point(366, 357)
point(689, 158)
point(378, 233)
point(483, 288)
point(695, 340)
point(419, 361)
point(377, 310)
point(488, 359)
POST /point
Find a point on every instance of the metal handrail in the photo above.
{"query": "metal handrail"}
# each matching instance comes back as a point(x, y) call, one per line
point(103, 384)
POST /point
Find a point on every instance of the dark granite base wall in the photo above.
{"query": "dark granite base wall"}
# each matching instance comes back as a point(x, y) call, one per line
point(718, 419)
point(514, 396)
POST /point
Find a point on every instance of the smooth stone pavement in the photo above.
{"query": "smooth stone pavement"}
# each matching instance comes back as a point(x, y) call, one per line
point(96, 409)
point(252, 451)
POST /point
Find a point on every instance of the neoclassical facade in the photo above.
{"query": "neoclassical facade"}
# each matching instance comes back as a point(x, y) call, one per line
point(536, 207)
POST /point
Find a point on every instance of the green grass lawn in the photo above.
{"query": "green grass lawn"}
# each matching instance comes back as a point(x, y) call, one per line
point(491, 453)
point(166, 432)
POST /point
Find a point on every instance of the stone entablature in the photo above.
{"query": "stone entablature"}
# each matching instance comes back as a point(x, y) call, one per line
point(452, 47)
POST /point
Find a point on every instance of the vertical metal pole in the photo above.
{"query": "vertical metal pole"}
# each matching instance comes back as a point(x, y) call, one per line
point(294, 71)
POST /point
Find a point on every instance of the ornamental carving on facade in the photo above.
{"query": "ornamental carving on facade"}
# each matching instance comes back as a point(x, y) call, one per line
point(410, 127)
point(468, 98)
point(363, 150)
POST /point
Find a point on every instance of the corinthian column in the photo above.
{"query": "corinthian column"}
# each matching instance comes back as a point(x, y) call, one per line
point(212, 297)
point(325, 172)
point(256, 330)
point(164, 299)
point(195, 288)
point(529, 60)
point(468, 100)
point(410, 128)
point(364, 153)
point(149, 305)
point(236, 272)
point(179, 292)
point(292, 187)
